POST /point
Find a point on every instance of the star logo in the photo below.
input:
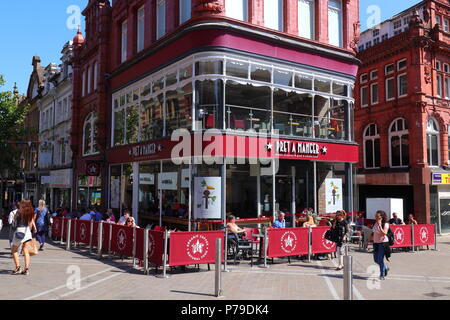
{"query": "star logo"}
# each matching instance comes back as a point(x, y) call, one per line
point(151, 245)
point(121, 239)
point(160, 147)
point(327, 243)
point(399, 236)
point(324, 150)
point(424, 234)
point(83, 232)
point(269, 146)
point(288, 241)
point(197, 247)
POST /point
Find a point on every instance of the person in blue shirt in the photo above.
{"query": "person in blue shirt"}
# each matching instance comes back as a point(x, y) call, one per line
point(96, 214)
point(280, 222)
point(41, 217)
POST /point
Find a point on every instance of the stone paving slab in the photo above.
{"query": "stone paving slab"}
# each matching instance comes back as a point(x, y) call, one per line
point(413, 276)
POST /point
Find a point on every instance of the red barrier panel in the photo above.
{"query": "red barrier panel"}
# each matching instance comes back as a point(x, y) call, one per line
point(122, 240)
point(83, 234)
point(95, 234)
point(73, 228)
point(155, 246)
point(57, 227)
point(319, 243)
point(64, 223)
point(402, 236)
point(287, 242)
point(423, 234)
point(105, 238)
point(188, 248)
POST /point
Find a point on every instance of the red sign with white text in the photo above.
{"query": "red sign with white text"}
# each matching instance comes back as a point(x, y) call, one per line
point(83, 234)
point(319, 243)
point(155, 245)
point(187, 248)
point(287, 242)
point(402, 235)
point(122, 240)
point(423, 235)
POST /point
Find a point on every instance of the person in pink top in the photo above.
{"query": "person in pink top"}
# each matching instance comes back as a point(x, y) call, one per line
point(111, 218)
point(380, 241)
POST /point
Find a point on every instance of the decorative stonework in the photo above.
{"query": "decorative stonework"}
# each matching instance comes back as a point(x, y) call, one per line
point(428, 68)
point(356, 36)
point(208, 6)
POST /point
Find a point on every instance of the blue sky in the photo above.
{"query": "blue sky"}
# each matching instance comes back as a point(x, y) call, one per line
point(39, 27)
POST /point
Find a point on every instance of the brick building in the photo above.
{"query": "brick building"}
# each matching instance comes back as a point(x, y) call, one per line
point(402, 111)
point(146, 68)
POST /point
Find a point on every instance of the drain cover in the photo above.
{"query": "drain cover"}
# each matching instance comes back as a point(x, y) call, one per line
point(434, 294)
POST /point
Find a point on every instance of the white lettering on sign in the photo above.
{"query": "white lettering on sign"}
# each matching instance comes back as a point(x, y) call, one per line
point(300, 148)
point(145, 150)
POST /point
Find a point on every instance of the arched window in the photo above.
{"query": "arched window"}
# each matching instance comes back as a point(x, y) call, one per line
point(399, 143)
point(432, 142)
point(90, 135)
point(371, 147)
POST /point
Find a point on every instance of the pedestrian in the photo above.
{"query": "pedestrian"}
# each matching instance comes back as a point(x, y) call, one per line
point(411, 219)
point(11, 216)
point(396, 220)
point(340, 230)
point(381, 242)
point(23, 226)
point(42, 220)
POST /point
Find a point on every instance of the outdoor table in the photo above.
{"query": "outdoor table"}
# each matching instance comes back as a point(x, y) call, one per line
point(260, 236)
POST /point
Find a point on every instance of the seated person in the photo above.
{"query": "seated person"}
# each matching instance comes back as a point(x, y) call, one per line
point(130, 222)
point(310, 221)
point(86, 216)
point(411, 219)
point(280, 222)
point(233, 227)
point(123, 219)
point(396, 220)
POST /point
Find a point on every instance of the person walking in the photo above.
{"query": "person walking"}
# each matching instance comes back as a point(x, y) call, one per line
point(340, 229)
point(11, 216)
point(381, 242)
point(42, 221)
point(23, 225)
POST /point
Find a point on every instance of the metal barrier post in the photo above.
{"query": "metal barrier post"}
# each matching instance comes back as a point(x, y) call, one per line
point(75, 234)
point(100, 240)
point(309, 244)
point(266, 240)
point(165, 260)
point(109, 242)
point(218, 278)
point(134, 247)
point(91, 233)
point(435, 237)
point(69, 224)
point(348, 278)
point(61, 242)
point(226, 252)
point(412, 237)
point(146, 250)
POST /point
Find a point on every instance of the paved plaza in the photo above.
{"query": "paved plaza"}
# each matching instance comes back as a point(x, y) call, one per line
point(423, 275)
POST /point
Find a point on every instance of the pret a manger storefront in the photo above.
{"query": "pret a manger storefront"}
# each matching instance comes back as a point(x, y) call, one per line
point(282, 140)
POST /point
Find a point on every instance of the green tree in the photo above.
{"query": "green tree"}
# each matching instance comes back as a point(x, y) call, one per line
point(12, 128)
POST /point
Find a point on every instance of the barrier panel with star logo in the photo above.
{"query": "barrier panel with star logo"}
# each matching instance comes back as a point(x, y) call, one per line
point(122, 240)
point(105, 239)
point(402, 236)
point(155, 245)
point(423, 235)
point(190, 248)
point(83, 231)
point(287, 242)
point(318, 242)
point(57, 226)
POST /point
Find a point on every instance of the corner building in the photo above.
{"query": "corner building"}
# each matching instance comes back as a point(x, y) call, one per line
point(244, 68)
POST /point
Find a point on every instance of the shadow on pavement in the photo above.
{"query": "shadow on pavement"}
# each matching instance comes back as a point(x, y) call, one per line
point(193, 293)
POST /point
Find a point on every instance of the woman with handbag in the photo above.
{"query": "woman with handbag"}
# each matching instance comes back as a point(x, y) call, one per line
point(340, 229)
point(23, 225)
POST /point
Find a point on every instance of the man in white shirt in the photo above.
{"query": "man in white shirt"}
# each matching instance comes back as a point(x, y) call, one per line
point(123, 219)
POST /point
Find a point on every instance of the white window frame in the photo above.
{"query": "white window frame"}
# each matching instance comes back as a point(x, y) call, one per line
point(386, 89)
point(397, 134)
point(361, 92)
point(339, 11)
point(361, 78)
point(372, 77)
point(371, 93)
point(183, 4)
point(312, 17)
point(160, 19)
point(280, 18)
point(140, 43)
point(446, 25)
point(373, 138)
point(446, 68)
point(398, 85)
point(124, 41)
point(429, 132)
point(385, 69)
point(398, 64)
point(231, 13)
point(439, 85)
point(438, 65)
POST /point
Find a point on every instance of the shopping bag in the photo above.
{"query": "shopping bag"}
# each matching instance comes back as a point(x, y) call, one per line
point(33, 248)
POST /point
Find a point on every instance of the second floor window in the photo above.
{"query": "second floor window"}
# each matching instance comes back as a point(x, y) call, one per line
point(390, 89)
point(185, 10)
point(335, 22)
point(402, 85)
point(374, 93)
point(160, 19)
point(399, 143)
point(237, 9)
point(371, 147)
point(306, 14)
point(364, 96)
point(140, 28)
point(273, 14)
point(124, 41)
point(432, 143)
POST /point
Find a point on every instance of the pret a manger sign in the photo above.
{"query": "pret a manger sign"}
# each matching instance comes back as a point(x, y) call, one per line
point(297, 148)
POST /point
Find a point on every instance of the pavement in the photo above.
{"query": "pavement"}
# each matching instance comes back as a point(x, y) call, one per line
point(57, 274)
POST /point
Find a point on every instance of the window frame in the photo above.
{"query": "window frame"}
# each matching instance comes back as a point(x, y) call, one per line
point(398, 134)
point(372, 102)
point(361, 95)
point(386, 89)
point(161, 17)
point(430, 133)
point(140, 28)
point(371, 138)
point(124, 41)
point(405, 74)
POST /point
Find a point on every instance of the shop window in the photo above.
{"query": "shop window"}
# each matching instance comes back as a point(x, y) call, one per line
point(371, 147)
point(261, 73)
point(237, 9)
point(322, 85)
point(399, 143)
point(119, 127)
point(90, 135)
point(209, 102)
point(247, 106)
point(185, 73)
point(321, 117)
point(292, 113)
point(432, 142)
point(171, 79)
point(303, 82)
point(282, 77)
point(339, 89)
point(237, 69)
point(132, 124)
point(178, 109)
point(158, 85)
point(151, 118)
point(208, 67)
point(148, 190)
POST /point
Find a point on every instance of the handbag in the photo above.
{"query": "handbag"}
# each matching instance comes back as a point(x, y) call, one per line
point(33, 249)
point(19, 234)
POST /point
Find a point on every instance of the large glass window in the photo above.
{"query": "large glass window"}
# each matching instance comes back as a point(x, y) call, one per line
point(185, 10)
point(209, 103)
point(178, 108)
point(160, 18)
point(432, 142)
point(237, 9)
point(306, 13)
point(292, 113)
point(371, 147)
point(335, 22)
point(273, 14)
point(399, 143)
point(148, 189)
point(237, 69)
point(90, 134)
point(140, 28)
